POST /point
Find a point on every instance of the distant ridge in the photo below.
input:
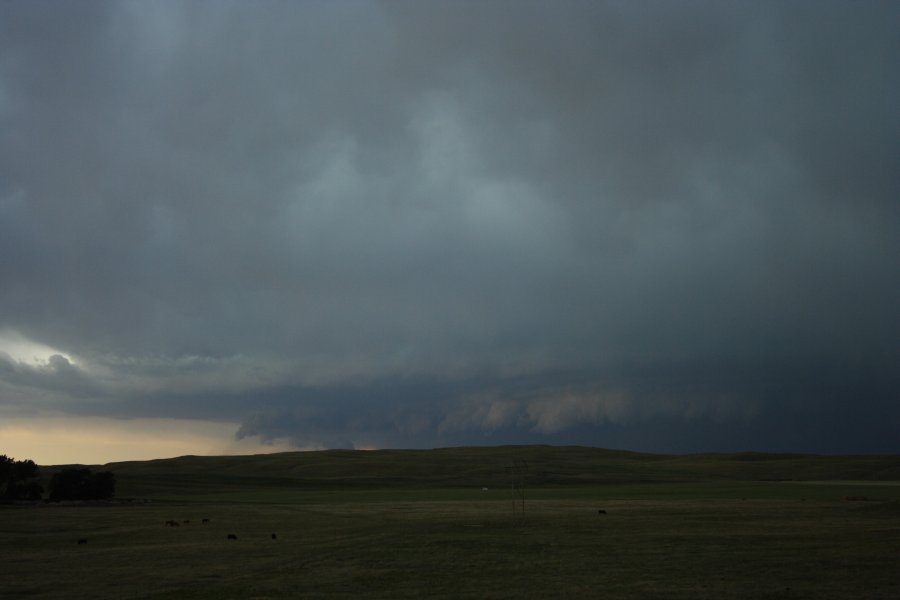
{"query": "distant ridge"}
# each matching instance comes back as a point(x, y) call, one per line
point(480, 466)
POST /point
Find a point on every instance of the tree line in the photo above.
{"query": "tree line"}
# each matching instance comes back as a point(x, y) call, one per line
point(20, 481)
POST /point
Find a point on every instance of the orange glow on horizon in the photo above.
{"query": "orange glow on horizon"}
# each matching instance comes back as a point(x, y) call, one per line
point(95, 441)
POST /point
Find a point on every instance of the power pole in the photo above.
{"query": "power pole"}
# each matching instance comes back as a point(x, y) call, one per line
point(517, 472)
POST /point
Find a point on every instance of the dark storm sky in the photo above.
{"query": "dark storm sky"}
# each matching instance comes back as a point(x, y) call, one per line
point(667, 226)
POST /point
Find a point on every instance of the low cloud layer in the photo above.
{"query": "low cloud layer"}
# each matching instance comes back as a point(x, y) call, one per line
point(656, 226)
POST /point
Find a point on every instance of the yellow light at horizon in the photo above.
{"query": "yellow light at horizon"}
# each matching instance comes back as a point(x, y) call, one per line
point(96, 440)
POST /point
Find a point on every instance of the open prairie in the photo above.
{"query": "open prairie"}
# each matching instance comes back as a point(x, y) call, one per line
point(413, 524)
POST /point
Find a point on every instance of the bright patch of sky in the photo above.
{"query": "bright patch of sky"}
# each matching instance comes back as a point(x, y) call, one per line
point(23, 350)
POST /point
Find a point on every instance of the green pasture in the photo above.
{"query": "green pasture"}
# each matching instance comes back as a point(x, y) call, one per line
point(347, 537)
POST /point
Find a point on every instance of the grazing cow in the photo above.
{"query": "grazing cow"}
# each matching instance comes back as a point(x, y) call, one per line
point(601, 512)
point(82, 541)
point(187, 521)
point(232, 536)
point(274, 536)
point(171, 523)
point(205, 521)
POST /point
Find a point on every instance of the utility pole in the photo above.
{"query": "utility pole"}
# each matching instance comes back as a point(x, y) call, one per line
point(517, 471)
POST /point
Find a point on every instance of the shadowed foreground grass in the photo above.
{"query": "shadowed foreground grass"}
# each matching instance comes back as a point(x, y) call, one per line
point(664, 541)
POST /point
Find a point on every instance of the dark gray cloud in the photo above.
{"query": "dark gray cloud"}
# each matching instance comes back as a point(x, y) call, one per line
point(407, 223)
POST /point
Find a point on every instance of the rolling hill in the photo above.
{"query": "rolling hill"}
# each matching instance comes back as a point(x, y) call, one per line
point(544, 466)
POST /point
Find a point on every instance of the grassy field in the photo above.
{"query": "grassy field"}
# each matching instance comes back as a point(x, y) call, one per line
point(670, 530)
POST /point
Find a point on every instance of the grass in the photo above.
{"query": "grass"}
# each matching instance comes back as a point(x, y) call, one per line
point(709, 536)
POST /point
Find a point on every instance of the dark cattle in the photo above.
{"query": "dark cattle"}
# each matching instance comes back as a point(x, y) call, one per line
point(171, 523)
point(274, 537)
point(231, 536)
point(601, 512)
point(187, 520)
point(205, 521)
point(82, 541)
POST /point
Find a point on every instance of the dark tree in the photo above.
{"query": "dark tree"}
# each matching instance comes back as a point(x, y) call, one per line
point(6, 464)
point(18, 480)
point(82, 484)
point(69, 484)
point(103, 485)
